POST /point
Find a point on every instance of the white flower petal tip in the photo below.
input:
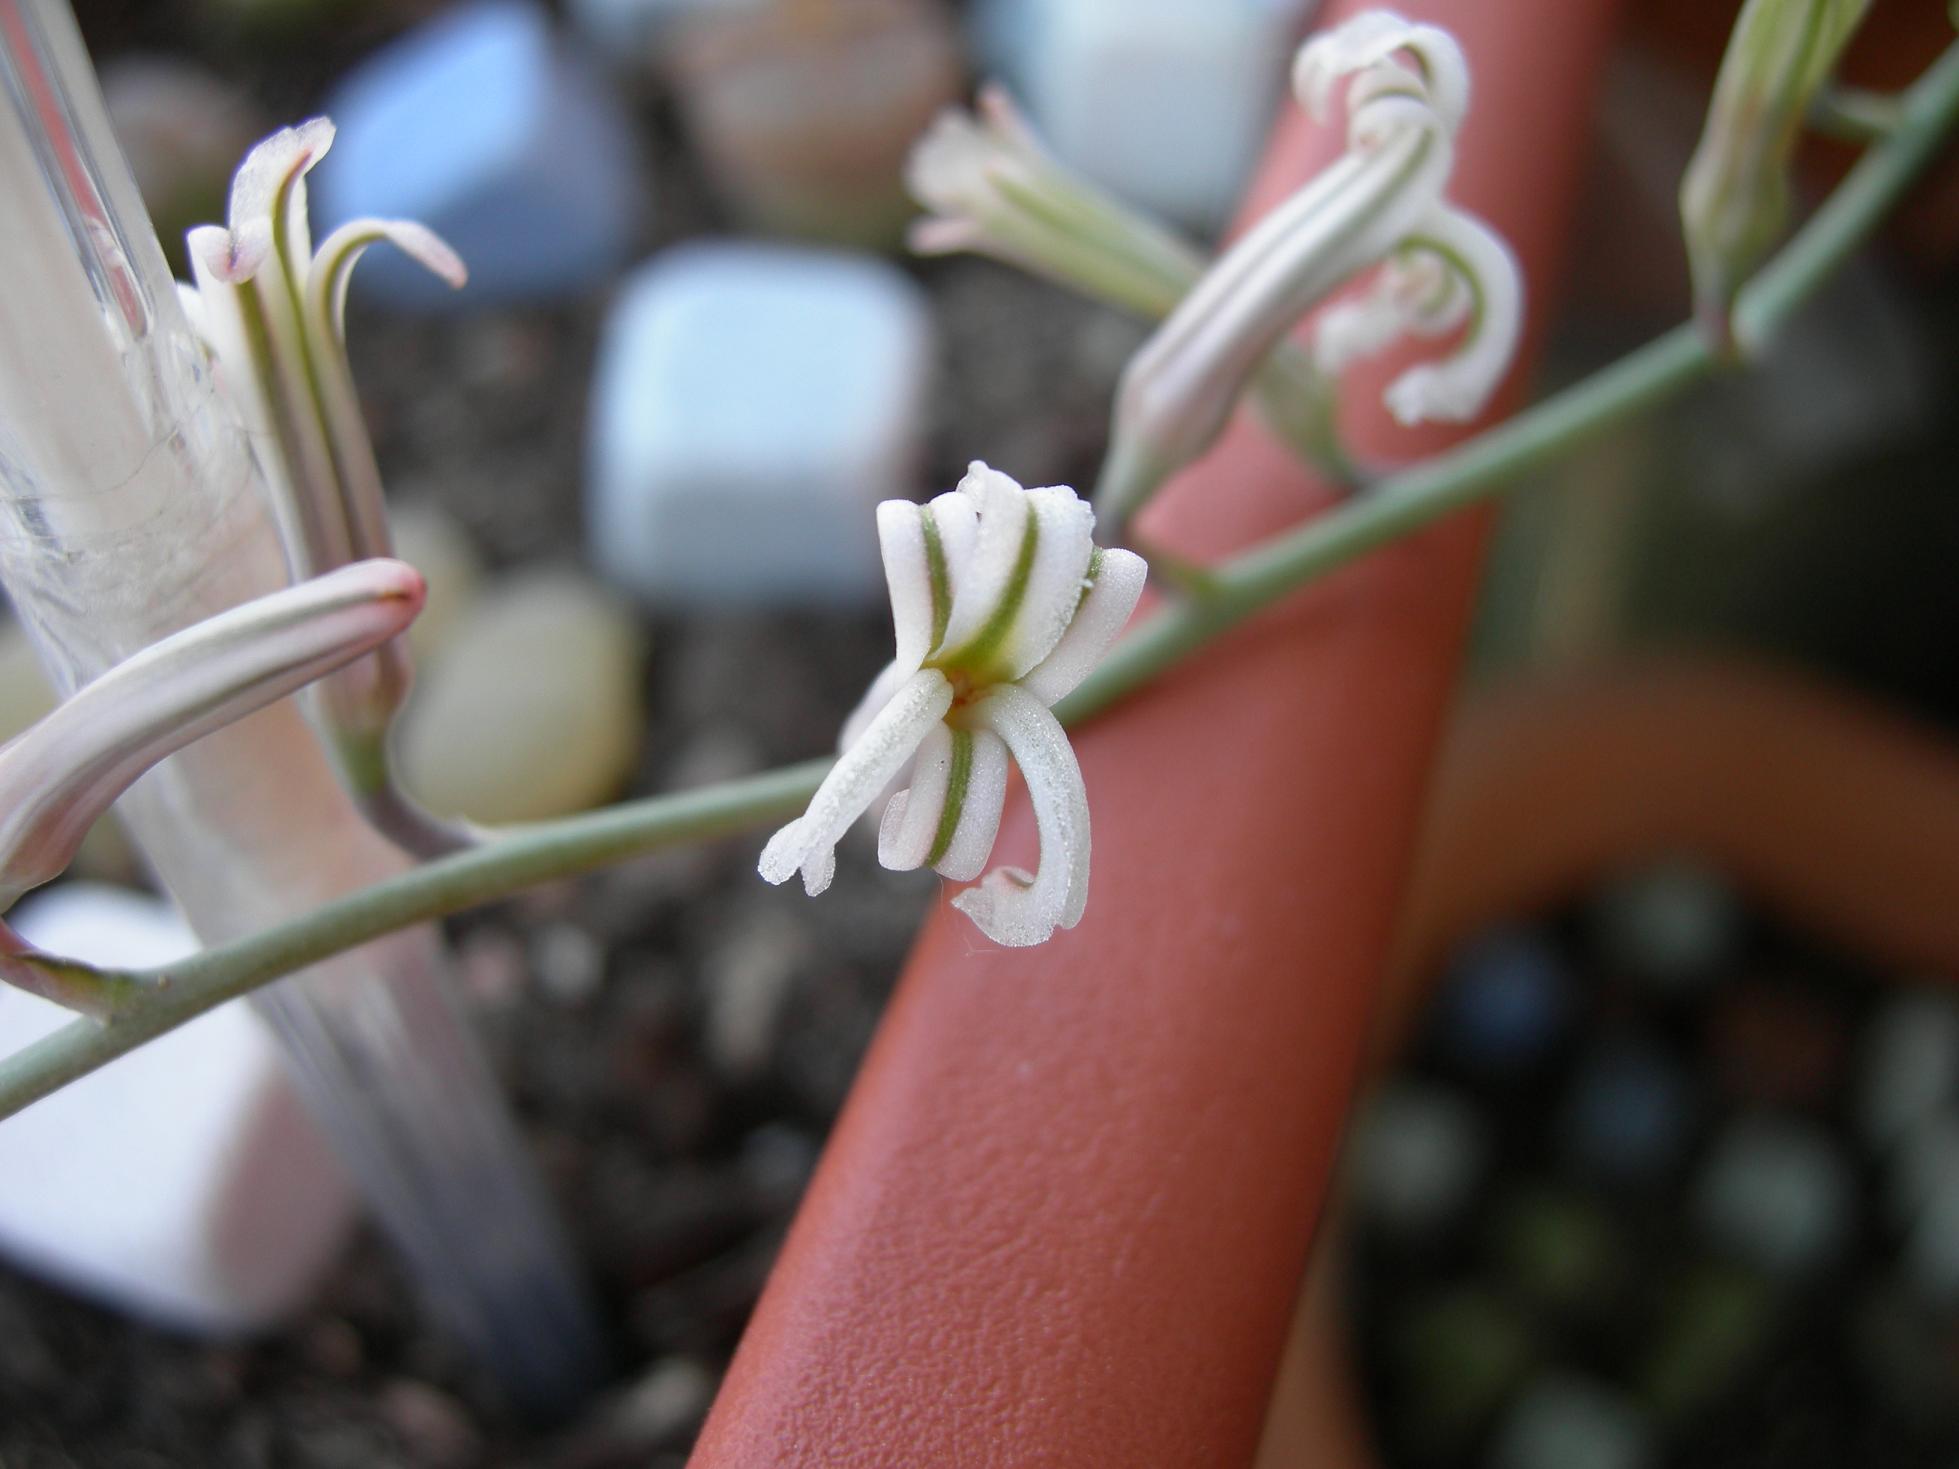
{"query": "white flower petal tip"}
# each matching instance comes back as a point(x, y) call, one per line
point(1458, 387)
point(272, 165)
point(269, 189)
point(1010, 907)
point(1370, 42)
point(224, 256)
point(1001, 605)
point(861, 773)
point(341, 249)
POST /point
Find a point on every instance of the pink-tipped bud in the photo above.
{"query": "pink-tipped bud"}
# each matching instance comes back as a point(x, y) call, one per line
point(60, 775)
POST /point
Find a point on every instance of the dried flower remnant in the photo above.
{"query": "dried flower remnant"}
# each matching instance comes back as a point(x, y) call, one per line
point(271, 310)
point(1380, 204)
point(1002, 604)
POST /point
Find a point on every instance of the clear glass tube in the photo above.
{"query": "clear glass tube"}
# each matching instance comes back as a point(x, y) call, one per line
point(130, 506)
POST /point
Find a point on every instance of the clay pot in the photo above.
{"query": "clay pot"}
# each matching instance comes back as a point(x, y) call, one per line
point(1064, 1215)
point(1839, 816)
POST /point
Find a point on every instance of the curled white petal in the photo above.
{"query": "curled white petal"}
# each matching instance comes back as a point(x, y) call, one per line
point(889, 680)
point(1457, 388)
point(979, 816)
point(864, 769)
point(1010, 907)
point(1102, 614)
point(1179, 390)
point(333, 267)
point(957, 517)
point(268, 198)
point(1415, 293)
point(1064, 541)
point(914, 821)
point(1004, 517)
point(1373, 39)
point(911, 819)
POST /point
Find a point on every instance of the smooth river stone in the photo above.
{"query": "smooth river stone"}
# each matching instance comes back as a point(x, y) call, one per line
point(534, 709)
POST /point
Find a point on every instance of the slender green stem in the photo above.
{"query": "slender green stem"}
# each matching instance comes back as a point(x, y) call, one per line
point(1854, 114)
point(523, 858)
point(1865, 196)
point(1399, 504)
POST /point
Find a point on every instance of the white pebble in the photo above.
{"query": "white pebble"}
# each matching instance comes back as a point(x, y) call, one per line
point(1564, 1421)
point(1776, 1193)
point(753, 404)
point(1417, 1153)
point(1910, 1063)
point(181, 1183)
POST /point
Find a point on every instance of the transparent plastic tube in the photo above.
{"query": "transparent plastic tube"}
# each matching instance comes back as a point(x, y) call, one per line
point(130, 506)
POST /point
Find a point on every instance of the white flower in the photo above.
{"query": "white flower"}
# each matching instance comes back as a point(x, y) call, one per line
point(1453, 269)
point(1407, 89)
point(1002, 604)
point(270, 309)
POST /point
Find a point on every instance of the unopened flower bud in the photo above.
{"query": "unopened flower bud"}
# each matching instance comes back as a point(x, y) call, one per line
point(62, 773)
point(1734, 200)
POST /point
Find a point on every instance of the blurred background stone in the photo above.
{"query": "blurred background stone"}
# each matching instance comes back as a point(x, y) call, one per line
point(753, 404)
point(804, 110)
point(484, 128)
point(534, 708)
point(1097, 77)
point(184, 131)
point(183, 1182)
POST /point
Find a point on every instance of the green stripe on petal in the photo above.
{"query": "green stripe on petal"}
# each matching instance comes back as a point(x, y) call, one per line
point(985, 645)
point(955, 795)
point(941, 578)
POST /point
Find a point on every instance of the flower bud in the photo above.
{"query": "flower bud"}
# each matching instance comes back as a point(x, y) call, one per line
point(1734, 200)
point(61, 774)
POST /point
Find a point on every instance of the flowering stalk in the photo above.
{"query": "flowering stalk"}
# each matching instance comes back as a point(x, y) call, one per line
point(1477, 471)
point(1734, 199)
point(1382, 197)
point(991, 188)
point(271, 309)
point(60, 776)
point(1002, 604)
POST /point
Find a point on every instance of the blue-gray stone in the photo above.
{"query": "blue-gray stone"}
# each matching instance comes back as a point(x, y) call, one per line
point(483, 128)
point(1629, 1113)
point(753, 404)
